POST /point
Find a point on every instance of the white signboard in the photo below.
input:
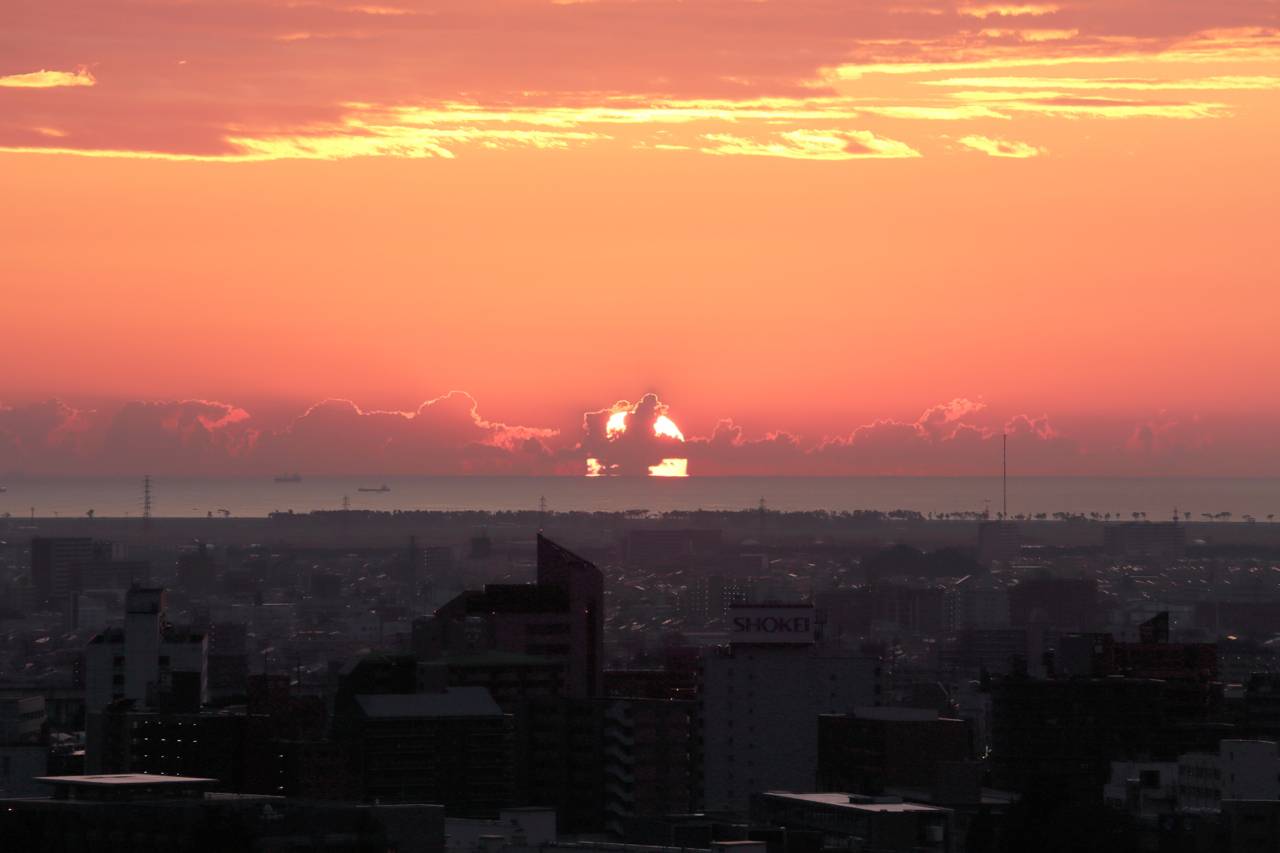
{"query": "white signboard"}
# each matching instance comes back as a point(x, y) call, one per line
point(772, 625)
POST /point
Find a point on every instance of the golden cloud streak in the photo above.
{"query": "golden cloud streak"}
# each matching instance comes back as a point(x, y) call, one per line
point(1008, 10)
point(1212, 84)
point(1001, 147)
point(812, 145)
point(44, 79)
point(1065, 104)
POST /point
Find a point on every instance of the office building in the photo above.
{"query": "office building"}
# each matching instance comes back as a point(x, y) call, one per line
point(760, 700)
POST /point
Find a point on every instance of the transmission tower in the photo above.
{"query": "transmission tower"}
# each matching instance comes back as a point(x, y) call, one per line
point(146, 502)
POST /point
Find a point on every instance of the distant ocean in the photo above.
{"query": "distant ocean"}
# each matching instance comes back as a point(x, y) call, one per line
point(176, 497)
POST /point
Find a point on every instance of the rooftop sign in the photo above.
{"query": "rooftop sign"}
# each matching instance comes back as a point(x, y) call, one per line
point(773, 625)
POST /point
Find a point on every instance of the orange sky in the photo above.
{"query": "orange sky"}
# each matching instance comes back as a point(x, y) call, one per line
point(801, 215)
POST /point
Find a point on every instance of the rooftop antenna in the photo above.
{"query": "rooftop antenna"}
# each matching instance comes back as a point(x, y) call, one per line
point(146, 502)
point(542, 513)
point(1004, 475)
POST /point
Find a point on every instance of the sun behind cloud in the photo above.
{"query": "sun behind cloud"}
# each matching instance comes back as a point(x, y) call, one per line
point(636, 440)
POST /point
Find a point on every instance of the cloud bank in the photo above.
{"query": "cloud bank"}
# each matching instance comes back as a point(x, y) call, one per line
point(448, 435)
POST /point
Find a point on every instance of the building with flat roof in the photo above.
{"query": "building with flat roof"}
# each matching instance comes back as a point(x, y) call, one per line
point(452, 746)
point(882, 824)
point(141, 813)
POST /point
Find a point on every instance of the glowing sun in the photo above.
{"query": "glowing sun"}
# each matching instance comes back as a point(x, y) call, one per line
point(663, 427)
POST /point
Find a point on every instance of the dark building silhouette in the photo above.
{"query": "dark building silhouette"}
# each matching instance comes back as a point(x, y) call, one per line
point(1061, 735)
point(561, 616)
point(136, 813)
point(583, 584)
point(651, 759)
point(450, 746)
point(874, 749)
point(852, 821)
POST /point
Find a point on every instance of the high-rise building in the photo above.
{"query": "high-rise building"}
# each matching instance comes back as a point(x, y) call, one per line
point(650, 755)
point(561, 616)
point(583, 583)
point(148, 661)
point(760, 700)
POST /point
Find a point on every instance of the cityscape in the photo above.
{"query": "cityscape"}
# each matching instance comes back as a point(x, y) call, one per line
point(639, 426)
point(359, 680)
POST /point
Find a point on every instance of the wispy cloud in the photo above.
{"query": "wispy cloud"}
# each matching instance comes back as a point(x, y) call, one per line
point(1213, 84)
point(44, 79)
point(812, 145)
point(1001, 147)
point(1008, 10)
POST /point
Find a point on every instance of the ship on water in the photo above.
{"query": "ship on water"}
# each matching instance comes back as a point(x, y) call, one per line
point(289, 478)
point(383, 488)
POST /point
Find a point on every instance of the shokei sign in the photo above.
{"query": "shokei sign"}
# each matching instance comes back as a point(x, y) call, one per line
point(772, 625)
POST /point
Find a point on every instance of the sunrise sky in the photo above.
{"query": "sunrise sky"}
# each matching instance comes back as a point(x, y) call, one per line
point(830, 236)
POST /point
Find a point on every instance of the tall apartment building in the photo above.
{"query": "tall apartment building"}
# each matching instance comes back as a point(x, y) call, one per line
point(148, 661)
point(561, 616)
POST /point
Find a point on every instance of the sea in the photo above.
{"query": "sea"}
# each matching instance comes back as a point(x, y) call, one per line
point(258, 497)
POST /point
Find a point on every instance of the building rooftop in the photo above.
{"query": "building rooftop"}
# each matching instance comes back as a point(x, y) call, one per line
point(117, 780)
point(855, 802)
